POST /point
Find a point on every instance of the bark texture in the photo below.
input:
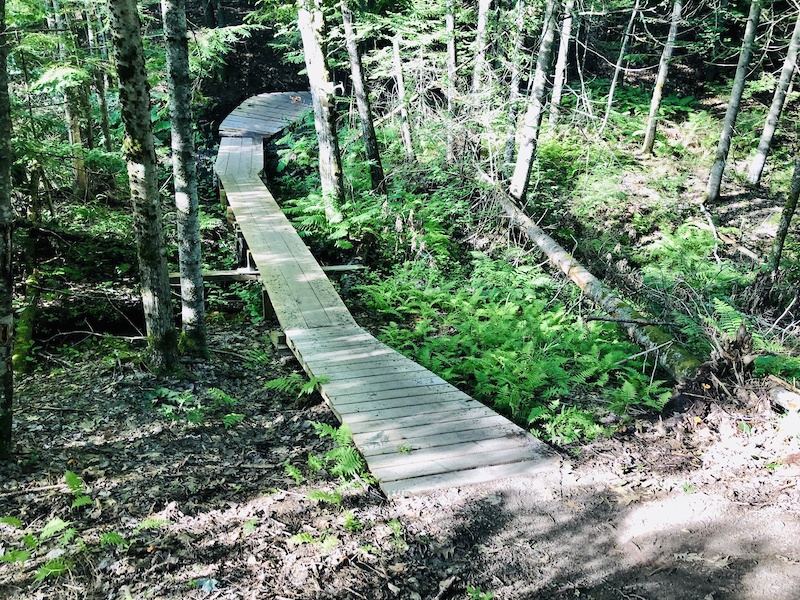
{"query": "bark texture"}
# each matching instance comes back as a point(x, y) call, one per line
point(529, 135)
point(514, 95)
point(362, 101)
point(675, 359)
point(139, 151)
point(560, 75)
point(452, 76)
point(661, 78)
point(312, 29)
point(405, 125)
point(6, 281)
point(618, 67)
point(789, 209)
point(480, 44)
point(775, 110)
point(184, 170)
point(724, 146)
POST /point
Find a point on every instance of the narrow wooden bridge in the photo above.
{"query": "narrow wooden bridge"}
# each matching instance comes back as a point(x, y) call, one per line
point(416, 431)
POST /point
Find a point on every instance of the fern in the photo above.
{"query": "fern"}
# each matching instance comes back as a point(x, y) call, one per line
point(334, 498)
point(151, 523)
point(112, 538)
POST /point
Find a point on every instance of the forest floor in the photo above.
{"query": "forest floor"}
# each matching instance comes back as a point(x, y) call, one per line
point(700, 505)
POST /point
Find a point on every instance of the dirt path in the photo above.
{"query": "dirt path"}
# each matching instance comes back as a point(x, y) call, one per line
point(703, 505)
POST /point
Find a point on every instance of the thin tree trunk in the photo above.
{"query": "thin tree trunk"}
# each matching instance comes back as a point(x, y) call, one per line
point(452, 76)
point(312, 28)
point(480, 44)
point(724, 146)
point(405, 126)
point(99, 78)
point(781, 90)
point(71, 110)
point(529, 135)
point(362, 100)
point(514, 95)
point(661, 79)
point(6, 221)
point(618, 67)
point(134, 95)
point(184, 171)
point(560, 75)
point(675, 359)
point(786, 219)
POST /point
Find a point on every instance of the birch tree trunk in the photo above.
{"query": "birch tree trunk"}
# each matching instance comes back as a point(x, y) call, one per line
point(618, 67)
point(724, 146)
point(140, 155)
point(6, 221)
point(452, 76)
point(480, 44)
point(405, 126)
point(362, 101)
point(675, 359)
point(661, 79)
point(789, 209)
point(560, 75)
point(312, 28)
point(184, 170)
point(514, 95)
point(775, 110)
point(529, 135)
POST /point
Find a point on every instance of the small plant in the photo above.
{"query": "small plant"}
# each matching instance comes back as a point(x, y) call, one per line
point(295, 384)
point(293, 472)
point(232, 419)
point(344, 459)
point(78, 489)
point(333, 498)
point(351, 523)
point(476, 594)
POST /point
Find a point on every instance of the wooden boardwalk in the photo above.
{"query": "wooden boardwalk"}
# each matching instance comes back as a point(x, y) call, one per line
point(416, 431)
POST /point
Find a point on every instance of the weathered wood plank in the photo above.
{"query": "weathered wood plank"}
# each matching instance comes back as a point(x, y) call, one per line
point(429, 409)
point(455, 463)
point(392, 435)
point(404, 393)
point(430, 441)
point(401, 381)
point(451, 414)
point(421, 485)
point(459, 449)
point(447, 395)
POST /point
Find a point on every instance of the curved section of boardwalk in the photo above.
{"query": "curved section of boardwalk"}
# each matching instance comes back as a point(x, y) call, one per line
point(416, 431)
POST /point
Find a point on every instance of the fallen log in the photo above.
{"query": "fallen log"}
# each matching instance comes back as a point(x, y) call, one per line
point(672, 356)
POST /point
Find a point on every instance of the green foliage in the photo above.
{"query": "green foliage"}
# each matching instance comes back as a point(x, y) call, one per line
point(295, 384)
point(351, 523)
point(78, 489)
point(293, 472)
point(185, 405)
point(209, 53)
point(476, 594)
point(114, 539)
point(496, 333)
point(333, 498)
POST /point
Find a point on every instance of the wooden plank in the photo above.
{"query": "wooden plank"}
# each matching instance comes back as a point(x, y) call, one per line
point(459, 449)
point(414, 418)
point(452, 464)
point(429, 408)
point(413, 379)
point(431, 441)
point(428, 391)
point(380, 362)
point(398, 435)
point(421, 485)
point(398, 401)
point(373, 374)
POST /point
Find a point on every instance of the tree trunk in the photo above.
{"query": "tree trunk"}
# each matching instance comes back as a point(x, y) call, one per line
point(452, 76)
point(529, 135)
point(6, 221)
point(312, 28)
point(480, 44)
point(787, 73)
point(786, 220)
point(405, 126)
point(560, 75)
point(618, 67)
point(184, 172)
point(724, 146)
point(362, 100)
point(675, 359)
point(134, 95)
point(71, 109)
point(99, 78)
point(661, 79)
point(514, 95)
